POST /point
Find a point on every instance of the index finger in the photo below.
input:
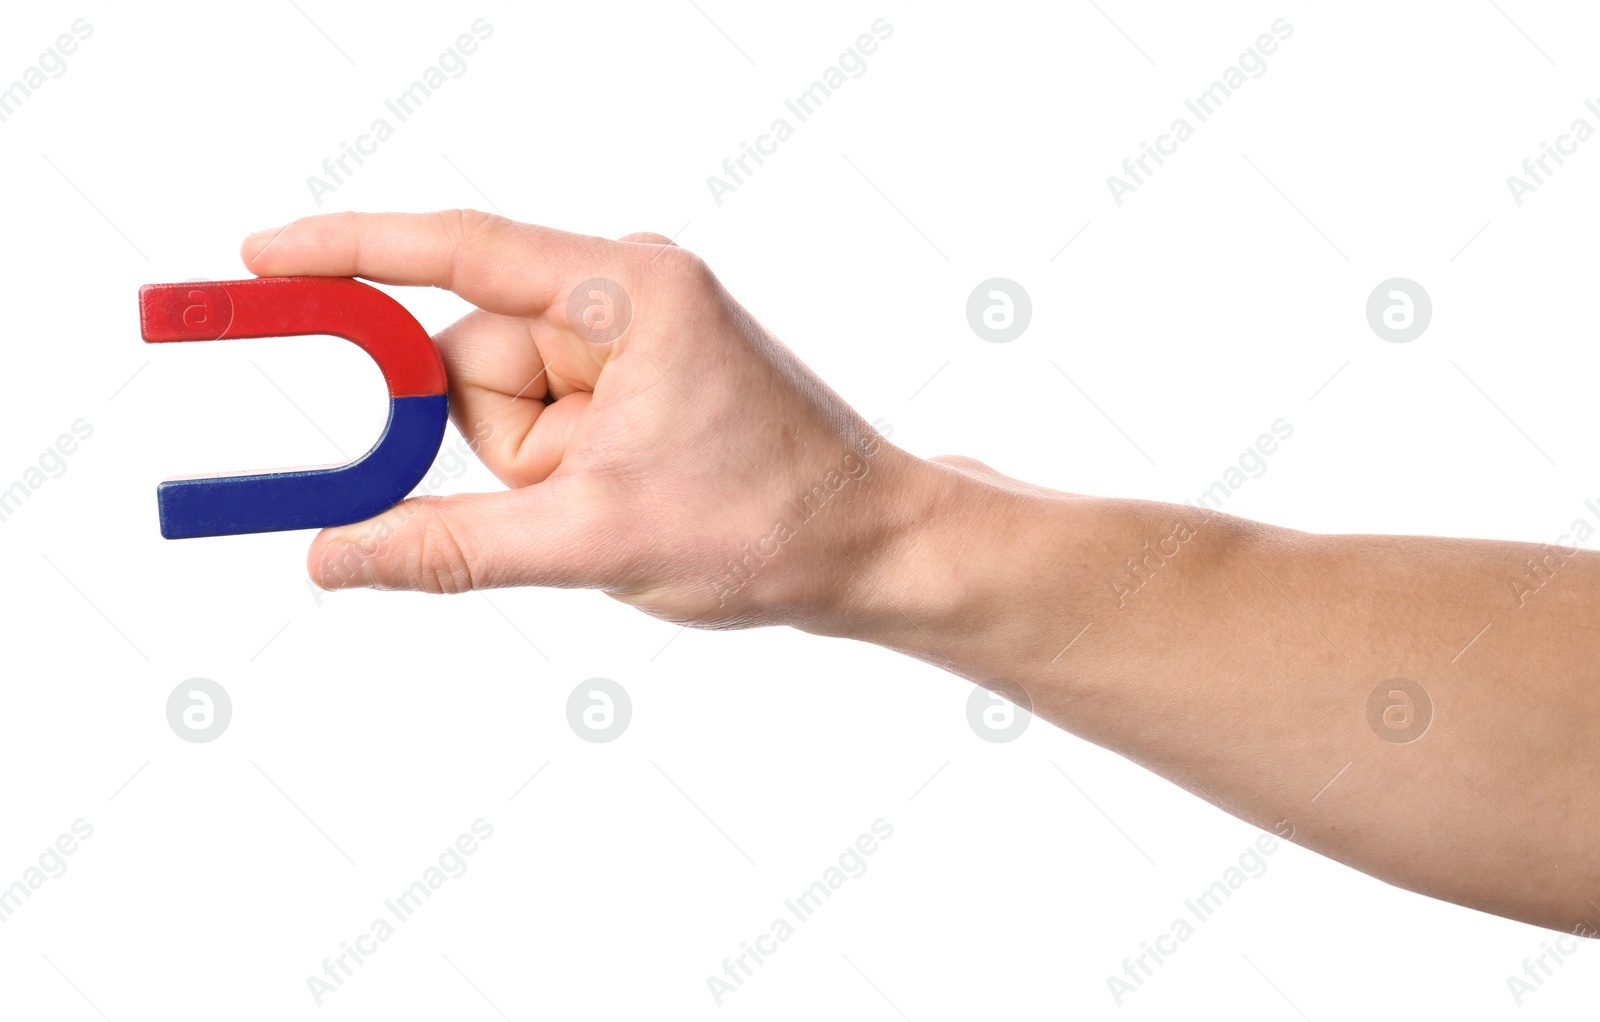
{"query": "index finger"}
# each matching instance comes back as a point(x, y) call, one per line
point(497, 264)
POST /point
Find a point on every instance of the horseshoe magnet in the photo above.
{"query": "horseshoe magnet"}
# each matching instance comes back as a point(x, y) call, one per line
point(230, 505)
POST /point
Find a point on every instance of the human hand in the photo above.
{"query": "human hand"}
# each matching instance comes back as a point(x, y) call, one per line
point(673, 454)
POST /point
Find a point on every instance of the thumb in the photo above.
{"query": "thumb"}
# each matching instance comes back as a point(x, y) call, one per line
point(455, 544)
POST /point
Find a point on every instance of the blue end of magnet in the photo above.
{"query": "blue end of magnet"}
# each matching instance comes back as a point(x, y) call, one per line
point(312, 498)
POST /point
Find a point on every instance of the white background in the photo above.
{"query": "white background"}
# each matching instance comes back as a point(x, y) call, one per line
point(370, 729)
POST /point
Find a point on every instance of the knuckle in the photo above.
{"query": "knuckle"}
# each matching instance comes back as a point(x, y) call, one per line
point(679, 267)
point(465, 234)
point(462, 228)
point(962, 463)
point(343, 224)
point(466, 222)
point(440, 561)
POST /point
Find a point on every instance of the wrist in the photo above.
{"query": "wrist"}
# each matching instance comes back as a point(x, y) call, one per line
point(936, 559)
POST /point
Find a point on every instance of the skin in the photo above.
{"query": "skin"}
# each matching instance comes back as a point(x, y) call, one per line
point(1239, 661)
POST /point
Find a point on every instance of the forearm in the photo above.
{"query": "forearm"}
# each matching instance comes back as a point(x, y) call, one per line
point(1240, 661)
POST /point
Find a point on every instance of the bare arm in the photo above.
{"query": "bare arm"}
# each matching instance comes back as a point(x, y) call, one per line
point(1393, 700)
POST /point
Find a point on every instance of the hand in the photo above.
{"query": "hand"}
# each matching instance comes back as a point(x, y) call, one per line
point(678, 457)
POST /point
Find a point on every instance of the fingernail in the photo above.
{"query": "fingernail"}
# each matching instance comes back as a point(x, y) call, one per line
point(343, 566)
